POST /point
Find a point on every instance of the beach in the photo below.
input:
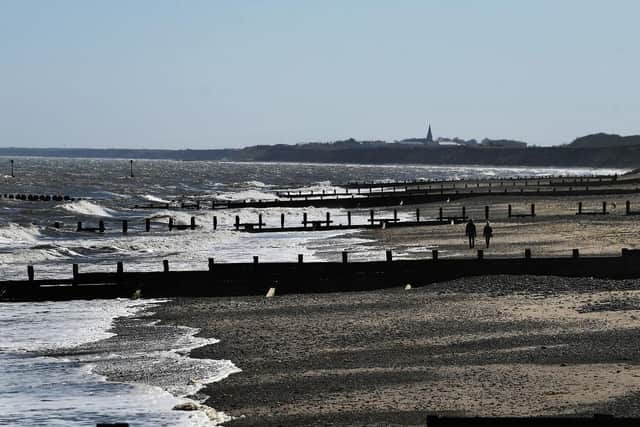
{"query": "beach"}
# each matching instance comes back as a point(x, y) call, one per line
point(500, 345)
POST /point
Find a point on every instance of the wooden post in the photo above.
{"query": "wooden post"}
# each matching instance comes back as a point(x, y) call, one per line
point(56, 224)
point(345, 257)
point(165, 265)
point(119, 267)
point(527, 253)
point(12, 175)
point(575, 253)
point(147, 224)
point(255, 259)
point(74, 269)
point(131, 167)
point(371, 215)
point(193, 222)
point(328, 218)
point(349, 218)
point(604, 208)
point(440, 214)
point(533, 209)
point(389, 256)
point(486, 213)
point(237, 223)
point(215, 222)
point(30, 272)
point(281, 220)
point(480, 254)
point(464, 212)
point(434, 254)
point(125, 226)
point(395, 215)
point(509, 211)
point(170, 224)
point(628, 207)
point(300, 258)
point(304, 219)
point(579, 207)
point(417, 214)
point(198, 204)
point(260, 221)
point(79, 228)
point(101, 226)
point(211, 261)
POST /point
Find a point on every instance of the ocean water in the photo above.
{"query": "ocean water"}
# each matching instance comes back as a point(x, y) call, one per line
point(55, 357)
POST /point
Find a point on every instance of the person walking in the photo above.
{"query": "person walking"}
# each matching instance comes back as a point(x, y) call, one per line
point(487, 232)
point(470, 231)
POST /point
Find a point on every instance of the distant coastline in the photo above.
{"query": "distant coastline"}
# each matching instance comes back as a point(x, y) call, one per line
point(599, 150)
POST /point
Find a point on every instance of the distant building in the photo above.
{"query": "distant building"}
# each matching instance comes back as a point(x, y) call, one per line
point(429, 139)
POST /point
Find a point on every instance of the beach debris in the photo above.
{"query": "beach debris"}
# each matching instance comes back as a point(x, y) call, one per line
point(186, 406)
point(271, 293)
point(407, 287)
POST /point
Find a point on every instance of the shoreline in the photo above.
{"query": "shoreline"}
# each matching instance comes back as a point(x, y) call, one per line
point(516, 346)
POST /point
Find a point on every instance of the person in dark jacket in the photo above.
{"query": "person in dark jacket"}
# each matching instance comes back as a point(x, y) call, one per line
point(487, 232)
point(470, 231)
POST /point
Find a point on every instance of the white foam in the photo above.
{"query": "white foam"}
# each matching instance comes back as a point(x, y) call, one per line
point(85, 207)
point(156, 199)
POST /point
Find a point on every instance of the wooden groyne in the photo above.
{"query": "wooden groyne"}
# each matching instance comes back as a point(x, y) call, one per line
point(39, 197)
point(398, 198)
point(257, 278)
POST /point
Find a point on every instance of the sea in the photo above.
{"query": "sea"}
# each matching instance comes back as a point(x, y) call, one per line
point(57, 359)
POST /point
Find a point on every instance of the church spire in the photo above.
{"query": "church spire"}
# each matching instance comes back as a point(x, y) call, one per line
point(429, 136)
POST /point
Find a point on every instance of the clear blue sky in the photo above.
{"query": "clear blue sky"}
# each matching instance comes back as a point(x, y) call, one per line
point(211, 74)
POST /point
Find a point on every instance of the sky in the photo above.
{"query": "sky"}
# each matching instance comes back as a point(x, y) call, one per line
point(226, 74)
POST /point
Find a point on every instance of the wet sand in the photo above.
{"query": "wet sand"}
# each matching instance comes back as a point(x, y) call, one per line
point(478, 346)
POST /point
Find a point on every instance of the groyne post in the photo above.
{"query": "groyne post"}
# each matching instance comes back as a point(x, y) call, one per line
point(170, 224)
point(147, 224)
point(371, 216)
point(30, 272)
point(509, 211)
point(300, 258)
point(349, 218)
point(579, 208)
point(125, 226)
point(260, 221)
point(464, 212)
point(211, 263)
point(255, 259)
point(165, 265)
point(627, 208)
point(345, 257)
point(389, 255)
point(281, 220)
point(237, 223)
point(417, 214)
point(575, 253)
point(395, 215)
point(533, 209)
point(101, 226)
point(215, 223)
point(440, 214)
point(480, 254)
point(79, 228)
point(193, 222)
point(527, 253)
point(328, 219)
point(604, 208)
point(434, 254)
point(486, 213)
point(12, 174)
point(131, 167)
point(75, 271)
point(119, 267)
point(304, 219)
